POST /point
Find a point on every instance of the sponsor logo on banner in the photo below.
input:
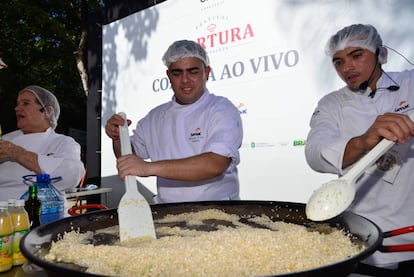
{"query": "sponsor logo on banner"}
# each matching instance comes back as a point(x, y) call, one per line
point(216, 38)
point(218, 34)
point(242, 109)
point(299, 142)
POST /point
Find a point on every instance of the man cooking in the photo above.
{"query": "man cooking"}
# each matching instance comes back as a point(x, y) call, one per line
point(190, 143)
point(349, 122)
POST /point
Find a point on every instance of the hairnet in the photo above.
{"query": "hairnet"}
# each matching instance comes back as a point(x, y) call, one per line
point(357, 35)
point(48, 101)
point(185, 49)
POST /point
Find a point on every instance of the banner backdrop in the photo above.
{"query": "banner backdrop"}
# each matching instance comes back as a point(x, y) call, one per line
point(266, 56)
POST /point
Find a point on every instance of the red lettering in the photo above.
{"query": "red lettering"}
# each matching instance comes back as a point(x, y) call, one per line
point(225, 37)
point(201, 41)
point(211, 37)
point(235, 34)
point(248, 31)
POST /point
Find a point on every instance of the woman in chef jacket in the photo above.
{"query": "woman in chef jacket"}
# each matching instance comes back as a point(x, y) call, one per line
point(35, 147)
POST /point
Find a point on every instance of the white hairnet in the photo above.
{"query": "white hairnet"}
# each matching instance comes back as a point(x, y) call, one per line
point(48, 102)
point(357, 35)
point(185, 49)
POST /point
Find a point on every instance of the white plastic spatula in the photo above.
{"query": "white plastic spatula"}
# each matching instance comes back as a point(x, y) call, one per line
point(335, 196)
point(134, 212)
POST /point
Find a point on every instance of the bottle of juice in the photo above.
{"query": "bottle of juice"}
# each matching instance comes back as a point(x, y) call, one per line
point(33, 207)
point(11, 202)
point(11, 208)
point(21, 226)
point(6, 233)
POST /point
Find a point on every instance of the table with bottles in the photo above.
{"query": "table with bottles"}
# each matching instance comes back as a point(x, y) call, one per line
point(14, 224)
point(41, 204)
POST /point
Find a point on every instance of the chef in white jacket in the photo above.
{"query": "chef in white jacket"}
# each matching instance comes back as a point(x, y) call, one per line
point(35, 147)
point(350, 121)
point(190, 143)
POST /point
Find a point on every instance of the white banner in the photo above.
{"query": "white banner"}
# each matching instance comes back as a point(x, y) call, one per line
point(267, 58)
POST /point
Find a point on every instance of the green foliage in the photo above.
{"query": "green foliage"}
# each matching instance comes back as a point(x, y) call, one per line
point(38, 42)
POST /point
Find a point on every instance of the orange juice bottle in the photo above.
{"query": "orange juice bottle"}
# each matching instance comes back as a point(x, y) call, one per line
point(21, 226)
point(6, 234)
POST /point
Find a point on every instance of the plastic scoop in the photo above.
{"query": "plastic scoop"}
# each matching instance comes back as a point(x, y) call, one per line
point(134, 212)
point(335, 196)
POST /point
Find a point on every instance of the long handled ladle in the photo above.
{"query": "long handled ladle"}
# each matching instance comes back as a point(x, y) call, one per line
point(335, 196)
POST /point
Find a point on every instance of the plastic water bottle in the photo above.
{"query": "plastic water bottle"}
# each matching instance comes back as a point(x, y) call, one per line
point(53, 202)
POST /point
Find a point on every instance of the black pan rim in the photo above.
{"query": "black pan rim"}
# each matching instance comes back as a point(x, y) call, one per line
point(111, 214)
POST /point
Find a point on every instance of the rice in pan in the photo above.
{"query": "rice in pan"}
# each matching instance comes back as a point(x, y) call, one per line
point(237, 248)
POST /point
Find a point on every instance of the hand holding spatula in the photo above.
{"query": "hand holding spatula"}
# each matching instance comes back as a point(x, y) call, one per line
point(134, 212)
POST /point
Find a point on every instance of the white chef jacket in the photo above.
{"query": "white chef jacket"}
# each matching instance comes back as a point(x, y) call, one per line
point(58, 155)
point(174, 131)
point(385, 197)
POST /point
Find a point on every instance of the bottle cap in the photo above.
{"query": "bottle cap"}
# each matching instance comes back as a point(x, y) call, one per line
point(11, 201)
point(19, 203)
point(43, 178)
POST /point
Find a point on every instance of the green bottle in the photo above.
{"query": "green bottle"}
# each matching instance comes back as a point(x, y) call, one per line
point(33, 207)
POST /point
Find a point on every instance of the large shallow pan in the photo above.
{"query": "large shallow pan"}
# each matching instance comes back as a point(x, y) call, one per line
point(37, 242)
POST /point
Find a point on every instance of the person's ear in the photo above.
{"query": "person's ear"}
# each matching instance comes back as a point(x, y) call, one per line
point(49, 110)
point(382, 54)
point(207, 70)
